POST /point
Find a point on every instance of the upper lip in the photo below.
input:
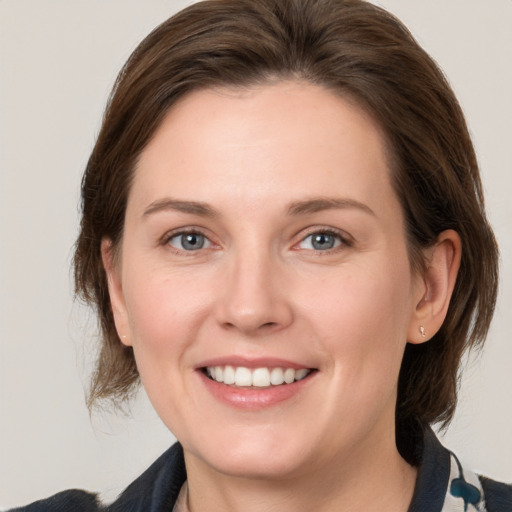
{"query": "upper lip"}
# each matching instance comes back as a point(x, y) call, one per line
point(252, 362)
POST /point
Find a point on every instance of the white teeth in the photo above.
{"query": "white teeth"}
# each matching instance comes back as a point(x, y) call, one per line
point(289, 375)
point(276, 376)
point(229, 375)
point(259, 377)
point(243, 376)
point(300, 374)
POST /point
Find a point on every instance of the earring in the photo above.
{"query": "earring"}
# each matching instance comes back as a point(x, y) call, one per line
point(422, 331)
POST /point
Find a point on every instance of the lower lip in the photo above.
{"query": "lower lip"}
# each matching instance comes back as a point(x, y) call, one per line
point(254, 398)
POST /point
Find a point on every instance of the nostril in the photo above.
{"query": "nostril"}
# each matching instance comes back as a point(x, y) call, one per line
point(253, 318)
point(267, 325)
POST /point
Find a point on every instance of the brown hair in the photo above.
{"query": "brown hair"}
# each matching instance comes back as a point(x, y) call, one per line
point(351, 47)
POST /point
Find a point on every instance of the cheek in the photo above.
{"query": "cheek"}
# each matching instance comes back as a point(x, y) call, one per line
point(165, 313)
point(362, 300)
point(362, 318)
point(161, 300)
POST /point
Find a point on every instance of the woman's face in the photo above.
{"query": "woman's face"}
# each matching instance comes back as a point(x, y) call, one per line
point(264, 243)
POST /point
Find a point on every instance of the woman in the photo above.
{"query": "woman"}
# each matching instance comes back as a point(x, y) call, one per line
point(284, 236)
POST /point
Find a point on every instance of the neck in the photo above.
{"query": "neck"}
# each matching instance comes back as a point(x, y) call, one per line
point(376, 480)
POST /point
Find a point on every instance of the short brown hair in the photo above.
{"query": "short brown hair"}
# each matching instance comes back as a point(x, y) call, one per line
point(359, 51)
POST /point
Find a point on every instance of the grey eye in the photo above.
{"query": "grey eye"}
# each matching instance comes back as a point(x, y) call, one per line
point(189, 241)
point(321, 241)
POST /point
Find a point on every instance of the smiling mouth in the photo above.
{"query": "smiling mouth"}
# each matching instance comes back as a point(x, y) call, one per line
point(240, 376)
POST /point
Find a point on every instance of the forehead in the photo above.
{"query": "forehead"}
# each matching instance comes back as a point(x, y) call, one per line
point(273, 140)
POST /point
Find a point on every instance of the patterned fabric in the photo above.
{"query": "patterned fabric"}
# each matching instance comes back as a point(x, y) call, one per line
point(464, 492)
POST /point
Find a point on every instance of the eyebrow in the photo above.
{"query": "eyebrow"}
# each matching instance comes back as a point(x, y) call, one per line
point(192, 207)
point(296, 208)
point(326, 203)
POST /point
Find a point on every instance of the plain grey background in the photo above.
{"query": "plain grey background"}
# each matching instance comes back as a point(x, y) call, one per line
point(58, 60)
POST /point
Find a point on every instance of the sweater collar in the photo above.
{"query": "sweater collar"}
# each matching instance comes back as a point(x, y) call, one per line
point(158, 488)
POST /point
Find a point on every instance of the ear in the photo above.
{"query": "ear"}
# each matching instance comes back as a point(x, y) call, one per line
point(435, 287)
point(115, 290)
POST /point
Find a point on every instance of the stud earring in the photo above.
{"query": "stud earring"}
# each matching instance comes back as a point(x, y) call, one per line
point(422, 331)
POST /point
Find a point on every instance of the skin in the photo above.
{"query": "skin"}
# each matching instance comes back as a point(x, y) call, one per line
point(259, 288)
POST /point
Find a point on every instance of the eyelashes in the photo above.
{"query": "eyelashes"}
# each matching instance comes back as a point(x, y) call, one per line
point(319, 240)
point(189, 241)
point(323, 240)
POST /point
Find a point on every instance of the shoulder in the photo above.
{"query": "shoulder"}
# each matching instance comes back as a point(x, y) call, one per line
point(76, 500)
point(498, 495)
point(156, 489)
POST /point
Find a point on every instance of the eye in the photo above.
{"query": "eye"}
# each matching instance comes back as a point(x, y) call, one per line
point(321, 241)
point(190, 241)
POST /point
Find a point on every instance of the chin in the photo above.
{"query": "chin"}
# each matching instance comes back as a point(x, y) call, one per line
point(274, 467)
point(263, 457)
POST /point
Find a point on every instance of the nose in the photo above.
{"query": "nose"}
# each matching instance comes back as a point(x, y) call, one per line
point(254, 294)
